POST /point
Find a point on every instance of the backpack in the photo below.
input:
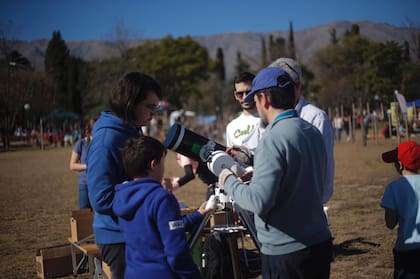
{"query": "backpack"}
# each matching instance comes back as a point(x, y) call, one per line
point(216, 258)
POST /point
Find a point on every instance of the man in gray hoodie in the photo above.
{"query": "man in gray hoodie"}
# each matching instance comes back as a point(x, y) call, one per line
point(285, 193)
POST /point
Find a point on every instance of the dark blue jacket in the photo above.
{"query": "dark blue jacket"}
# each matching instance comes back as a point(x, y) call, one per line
point(154, 230)
point(105, 170)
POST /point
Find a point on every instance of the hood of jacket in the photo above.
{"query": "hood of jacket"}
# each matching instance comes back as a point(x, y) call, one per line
point(129, 196)
point(109, 120)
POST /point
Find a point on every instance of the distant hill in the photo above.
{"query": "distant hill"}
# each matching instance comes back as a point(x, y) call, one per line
point(307, 41)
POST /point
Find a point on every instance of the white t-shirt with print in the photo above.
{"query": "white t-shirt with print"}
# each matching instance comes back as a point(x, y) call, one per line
point(240, 128)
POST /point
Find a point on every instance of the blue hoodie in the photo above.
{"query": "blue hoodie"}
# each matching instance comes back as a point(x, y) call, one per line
point(105, 170)
point(154, 230)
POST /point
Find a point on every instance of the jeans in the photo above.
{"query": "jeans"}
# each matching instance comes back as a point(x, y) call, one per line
point(114, 256)
point(83, 196)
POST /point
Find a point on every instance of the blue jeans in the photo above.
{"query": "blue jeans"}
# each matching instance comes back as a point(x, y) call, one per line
point(83, 196)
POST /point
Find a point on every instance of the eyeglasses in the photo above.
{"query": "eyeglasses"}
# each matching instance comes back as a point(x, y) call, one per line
point(152, 107)
point(240, 94)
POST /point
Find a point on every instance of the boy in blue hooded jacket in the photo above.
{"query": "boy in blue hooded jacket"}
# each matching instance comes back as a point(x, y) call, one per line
point(150, 217)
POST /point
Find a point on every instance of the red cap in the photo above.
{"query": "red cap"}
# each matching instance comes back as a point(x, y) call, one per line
point(408, 153)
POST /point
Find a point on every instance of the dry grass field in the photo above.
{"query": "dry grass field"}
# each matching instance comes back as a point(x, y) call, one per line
point(38, 192)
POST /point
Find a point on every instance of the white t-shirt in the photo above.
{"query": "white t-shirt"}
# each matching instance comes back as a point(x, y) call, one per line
point(240, 128)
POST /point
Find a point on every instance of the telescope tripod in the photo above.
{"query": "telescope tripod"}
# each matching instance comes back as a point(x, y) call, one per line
point(231, 231)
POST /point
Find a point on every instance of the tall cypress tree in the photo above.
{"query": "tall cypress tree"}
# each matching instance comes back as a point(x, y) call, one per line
point(56, 62)
point(263, 53)
point(333, 37)
point(241, 65)
point(220, 65)
point(418, 47)
point(292, 51)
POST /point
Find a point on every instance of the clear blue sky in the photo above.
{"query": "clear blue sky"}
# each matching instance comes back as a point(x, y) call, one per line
point(97, 19)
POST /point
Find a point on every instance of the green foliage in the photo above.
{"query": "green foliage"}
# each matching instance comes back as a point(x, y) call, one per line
point(410, 85)
point(333, 37)
point(102, 76)
point(277, 48)
point(264, 58)
point(291, 47)
point(77, 75)
point(56, 62)
point(219, 65)
point(241, 64)
point(177, 64)
point(358, 70)
point(20, 85)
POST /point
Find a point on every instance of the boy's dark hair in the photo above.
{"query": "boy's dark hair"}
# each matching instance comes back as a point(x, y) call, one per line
point(246, 77)
point(138, 153)
point(131, 90)
point(282, 97)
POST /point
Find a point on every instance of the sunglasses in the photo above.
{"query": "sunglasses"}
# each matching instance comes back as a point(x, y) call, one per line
point(240, 94)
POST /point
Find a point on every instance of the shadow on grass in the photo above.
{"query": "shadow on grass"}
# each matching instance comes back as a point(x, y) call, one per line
point(355, 246)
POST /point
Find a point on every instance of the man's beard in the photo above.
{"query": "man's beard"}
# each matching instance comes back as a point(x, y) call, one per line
point(248, 106)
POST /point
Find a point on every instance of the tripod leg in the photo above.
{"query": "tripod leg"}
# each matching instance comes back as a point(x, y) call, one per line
point(197, 231)
point(249, 224)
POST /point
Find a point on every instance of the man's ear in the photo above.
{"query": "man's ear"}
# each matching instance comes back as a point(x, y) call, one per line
point(265, 101)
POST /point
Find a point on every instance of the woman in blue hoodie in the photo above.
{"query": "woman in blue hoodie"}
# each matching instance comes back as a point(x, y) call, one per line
point(150, 217)
point(133, 102)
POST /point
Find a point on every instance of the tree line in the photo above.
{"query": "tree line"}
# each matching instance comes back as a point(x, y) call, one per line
point(350, 69)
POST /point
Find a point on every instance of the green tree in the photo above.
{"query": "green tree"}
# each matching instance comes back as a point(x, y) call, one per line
point(277, 48)
point(56, 62)
point(241, 64)
point(292, 51)
point(219, 65)
point(410, 85)
point(406, 52)
point(177, 64)
point(356, 70)
point(333, 37)
point(264, 58)
point(17, 83)
point(77, 74)
point(382, 74)
point(102, 76)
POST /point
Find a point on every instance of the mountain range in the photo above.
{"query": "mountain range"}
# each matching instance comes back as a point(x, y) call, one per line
point(307, 41)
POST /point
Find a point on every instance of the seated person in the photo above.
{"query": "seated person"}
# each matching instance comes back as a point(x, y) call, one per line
point(150, 217)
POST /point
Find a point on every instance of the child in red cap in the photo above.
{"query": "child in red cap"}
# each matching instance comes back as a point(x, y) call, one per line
point(401, 204)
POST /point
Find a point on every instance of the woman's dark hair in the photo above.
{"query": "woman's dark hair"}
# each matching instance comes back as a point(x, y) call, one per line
point(138, 153)
point(131, 90)
point(282, 97)
point(88, 128)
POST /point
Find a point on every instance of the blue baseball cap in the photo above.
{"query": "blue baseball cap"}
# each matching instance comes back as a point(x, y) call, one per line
point(267, 78)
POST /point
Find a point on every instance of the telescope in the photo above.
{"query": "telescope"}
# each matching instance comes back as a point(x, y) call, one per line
point(190, 144)
point(200, 148)
point(213, 154)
